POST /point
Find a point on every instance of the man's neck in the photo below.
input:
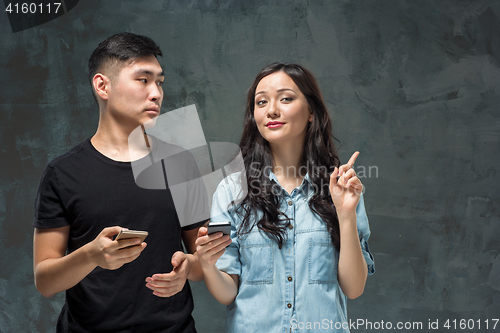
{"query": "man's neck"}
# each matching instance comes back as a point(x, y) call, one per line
point(111, 144)
point(112, 140)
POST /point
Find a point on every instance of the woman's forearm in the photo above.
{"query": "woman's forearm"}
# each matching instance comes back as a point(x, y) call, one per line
point(352, 269)
point(222, 286)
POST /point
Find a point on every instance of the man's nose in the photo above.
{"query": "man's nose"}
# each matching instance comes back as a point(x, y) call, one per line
point(156, 93)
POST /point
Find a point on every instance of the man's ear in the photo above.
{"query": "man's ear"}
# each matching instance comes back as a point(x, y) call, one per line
point(101, 85)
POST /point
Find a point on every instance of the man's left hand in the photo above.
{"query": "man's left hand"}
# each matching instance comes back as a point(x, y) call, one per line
point(169, 284)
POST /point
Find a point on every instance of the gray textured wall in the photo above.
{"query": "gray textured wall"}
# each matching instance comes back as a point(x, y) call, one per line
point(413, 85)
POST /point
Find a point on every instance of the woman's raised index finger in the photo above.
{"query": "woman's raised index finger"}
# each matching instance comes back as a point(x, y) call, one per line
point(353, 159)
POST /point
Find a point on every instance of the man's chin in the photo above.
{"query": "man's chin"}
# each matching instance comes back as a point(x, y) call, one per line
point(151, 122)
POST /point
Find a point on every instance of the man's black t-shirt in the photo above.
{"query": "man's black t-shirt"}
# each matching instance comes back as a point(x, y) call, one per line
point(89, 192)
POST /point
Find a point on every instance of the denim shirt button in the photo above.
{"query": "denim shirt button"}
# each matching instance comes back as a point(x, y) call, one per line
point(290, 278)
point(289, 305)
point(290, 226)
point(290, 202)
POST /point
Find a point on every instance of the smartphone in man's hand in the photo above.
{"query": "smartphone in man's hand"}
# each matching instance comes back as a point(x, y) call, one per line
point(126, 234)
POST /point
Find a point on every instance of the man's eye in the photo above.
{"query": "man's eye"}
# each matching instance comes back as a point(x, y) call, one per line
point(143, 80)
point(160, 83)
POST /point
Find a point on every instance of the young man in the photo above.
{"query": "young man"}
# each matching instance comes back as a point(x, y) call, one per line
point(87, 195)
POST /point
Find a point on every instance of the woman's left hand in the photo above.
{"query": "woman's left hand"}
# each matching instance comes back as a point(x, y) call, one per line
point(345, 187)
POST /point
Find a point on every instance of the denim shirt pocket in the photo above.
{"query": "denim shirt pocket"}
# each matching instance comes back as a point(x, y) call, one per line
point(323, 259)
point(257, 259)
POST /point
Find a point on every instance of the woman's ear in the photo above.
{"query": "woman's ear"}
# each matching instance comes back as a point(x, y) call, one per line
point(101, 83)
point(310, 116)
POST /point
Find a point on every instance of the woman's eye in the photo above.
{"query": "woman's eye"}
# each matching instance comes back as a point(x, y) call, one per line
point(160, 83)
point(260, 103)
point(287, 99)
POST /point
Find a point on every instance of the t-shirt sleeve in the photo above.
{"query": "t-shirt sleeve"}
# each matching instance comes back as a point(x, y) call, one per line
point(194, 225)
point(49, 208)
point(364, 234)
point(223, 210)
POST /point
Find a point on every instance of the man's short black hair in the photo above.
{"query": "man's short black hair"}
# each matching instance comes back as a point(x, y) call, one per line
point(123, 46)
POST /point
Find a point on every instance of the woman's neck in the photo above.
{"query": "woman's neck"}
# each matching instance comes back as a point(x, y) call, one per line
point(287, 165)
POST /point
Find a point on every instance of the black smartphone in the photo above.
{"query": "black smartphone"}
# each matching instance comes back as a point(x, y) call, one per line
point(224, 227)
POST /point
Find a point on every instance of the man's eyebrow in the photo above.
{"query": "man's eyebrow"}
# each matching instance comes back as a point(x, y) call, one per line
point(148, 72)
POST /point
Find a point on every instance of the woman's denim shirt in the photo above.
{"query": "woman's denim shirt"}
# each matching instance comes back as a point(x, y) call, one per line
point(292, 289)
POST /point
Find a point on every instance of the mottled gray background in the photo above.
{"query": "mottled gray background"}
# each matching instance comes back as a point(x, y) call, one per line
point(414, 85)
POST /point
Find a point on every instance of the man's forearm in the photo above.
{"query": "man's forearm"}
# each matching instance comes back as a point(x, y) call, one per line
point(54, 275)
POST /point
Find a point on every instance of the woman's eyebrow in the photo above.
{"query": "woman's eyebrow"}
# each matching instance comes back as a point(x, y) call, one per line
point(279, 90)
point(285, 89)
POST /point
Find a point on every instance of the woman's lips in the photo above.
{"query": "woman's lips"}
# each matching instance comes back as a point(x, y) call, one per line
point(274, 124)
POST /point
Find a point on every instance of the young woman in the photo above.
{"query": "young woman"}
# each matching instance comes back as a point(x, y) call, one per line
point(298, 243)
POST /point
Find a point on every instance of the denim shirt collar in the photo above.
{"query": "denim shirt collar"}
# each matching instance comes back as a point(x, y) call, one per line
point(305, 190)
point(272, 176)
point(304, 186)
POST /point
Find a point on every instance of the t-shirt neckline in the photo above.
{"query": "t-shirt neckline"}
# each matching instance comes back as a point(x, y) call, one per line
point(121, 164)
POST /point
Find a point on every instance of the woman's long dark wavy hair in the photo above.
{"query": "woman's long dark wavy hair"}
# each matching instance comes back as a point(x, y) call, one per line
point(319, 157)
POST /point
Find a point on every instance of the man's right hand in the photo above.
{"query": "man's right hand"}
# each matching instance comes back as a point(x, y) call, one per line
point(56, 271)
point(113, 254)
